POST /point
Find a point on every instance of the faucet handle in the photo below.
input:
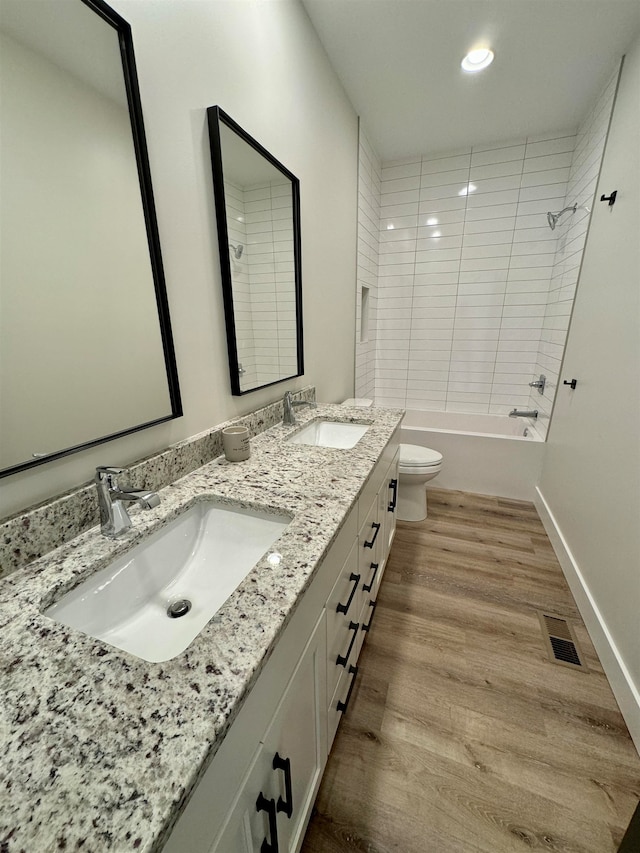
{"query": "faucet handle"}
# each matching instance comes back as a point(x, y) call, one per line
point(105, 473)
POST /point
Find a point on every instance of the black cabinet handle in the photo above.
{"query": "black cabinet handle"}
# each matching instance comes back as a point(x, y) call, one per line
point(342, 706)
point(393, 485)
point(376, 527)
point(367, 587)
point(342, 661)
point(269, 806)
point(342, 608)
point(372, 605)
point(284, 764)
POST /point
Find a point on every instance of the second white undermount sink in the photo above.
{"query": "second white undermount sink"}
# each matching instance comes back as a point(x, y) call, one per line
point(154, 600)
point(322, 433)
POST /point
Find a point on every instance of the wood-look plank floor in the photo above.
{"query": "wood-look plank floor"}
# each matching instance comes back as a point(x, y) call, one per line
point(461, 736)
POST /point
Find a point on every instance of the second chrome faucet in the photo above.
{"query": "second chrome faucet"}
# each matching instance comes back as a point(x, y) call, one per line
point(288, 414)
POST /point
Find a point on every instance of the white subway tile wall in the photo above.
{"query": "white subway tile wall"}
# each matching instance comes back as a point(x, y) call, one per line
point(572, 233)
point(462, 290)
point(260, 217)
point(474, 290)
point(236, 227)
point(369, 170)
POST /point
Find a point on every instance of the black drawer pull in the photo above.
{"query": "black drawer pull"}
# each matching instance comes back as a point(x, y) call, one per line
point(342, 608)
point(285, 765)
point(376, 527)
point(269, 806)
point(372, 605)
point(342, 706)
point(393, 485)
point(342, 661)
point(367, 587)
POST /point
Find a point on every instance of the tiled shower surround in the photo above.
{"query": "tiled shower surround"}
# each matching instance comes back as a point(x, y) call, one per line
point(572, 234)
point(472, 290)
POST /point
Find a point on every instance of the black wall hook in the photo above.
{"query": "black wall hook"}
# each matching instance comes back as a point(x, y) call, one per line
point(610, 198)
point(572, 383)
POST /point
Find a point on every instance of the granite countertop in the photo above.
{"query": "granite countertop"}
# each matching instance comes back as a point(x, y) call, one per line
point(102, 749)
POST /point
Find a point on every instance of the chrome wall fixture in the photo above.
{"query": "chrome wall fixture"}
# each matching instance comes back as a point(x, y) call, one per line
point(552, 218)
point(516, 413)
point(539, 383)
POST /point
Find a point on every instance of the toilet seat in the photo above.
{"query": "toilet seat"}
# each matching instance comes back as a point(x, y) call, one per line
point(414, 457)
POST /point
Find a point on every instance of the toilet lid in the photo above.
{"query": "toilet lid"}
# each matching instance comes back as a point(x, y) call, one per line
point(413, 454)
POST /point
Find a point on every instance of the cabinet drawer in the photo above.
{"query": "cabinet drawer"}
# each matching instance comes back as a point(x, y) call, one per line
point(343, 607)
point(366, 618)
point(340, 700)
point(370, 540)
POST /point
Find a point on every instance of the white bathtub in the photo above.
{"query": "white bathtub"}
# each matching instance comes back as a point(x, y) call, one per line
point(486, 454)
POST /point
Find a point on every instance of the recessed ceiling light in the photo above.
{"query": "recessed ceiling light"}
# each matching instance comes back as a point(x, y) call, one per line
point(477, 59)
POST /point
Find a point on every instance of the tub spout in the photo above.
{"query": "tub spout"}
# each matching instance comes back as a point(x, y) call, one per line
point(514, 413)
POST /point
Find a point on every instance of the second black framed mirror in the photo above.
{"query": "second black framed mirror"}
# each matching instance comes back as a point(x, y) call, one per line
point(258, 222)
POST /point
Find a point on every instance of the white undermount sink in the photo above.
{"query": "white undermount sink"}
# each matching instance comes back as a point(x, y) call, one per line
point(200, 557)
point(321, 433)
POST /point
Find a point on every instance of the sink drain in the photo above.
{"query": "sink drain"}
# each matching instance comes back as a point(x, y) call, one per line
point(178, 608)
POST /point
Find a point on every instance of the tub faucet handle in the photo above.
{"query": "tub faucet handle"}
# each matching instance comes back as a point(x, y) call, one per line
point(539, 383)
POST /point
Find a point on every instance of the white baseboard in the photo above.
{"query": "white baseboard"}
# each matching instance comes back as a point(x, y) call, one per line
point(625, 691)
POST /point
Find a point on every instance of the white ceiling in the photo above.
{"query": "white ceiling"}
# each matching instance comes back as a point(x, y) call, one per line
point(399, 62)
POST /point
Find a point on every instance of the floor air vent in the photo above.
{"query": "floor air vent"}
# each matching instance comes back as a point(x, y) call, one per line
point(560, 639)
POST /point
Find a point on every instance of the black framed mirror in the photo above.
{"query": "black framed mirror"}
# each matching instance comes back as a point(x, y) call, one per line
point(258, 222)
point(86, 350)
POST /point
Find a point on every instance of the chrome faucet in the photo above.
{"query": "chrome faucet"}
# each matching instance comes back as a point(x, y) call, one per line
point(514, 413)
point(539, 383)
point(288, 416)
point(114, 518)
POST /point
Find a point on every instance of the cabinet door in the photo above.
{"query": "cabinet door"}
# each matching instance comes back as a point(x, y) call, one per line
point(388, 499)
point(296, 743)
point(273, 806)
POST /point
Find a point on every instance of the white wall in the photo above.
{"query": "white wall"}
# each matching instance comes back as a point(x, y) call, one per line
point(262, 63)
point(589, 492)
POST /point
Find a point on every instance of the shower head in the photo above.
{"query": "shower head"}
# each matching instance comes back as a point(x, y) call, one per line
point(552, 218)
point(237, 250)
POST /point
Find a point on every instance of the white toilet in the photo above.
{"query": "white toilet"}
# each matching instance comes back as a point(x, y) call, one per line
point(418, 465)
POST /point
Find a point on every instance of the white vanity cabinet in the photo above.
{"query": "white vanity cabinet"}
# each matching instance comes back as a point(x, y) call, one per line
point(262, 782)
point(276, 795)
point(257, 794)
point(351, 605)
